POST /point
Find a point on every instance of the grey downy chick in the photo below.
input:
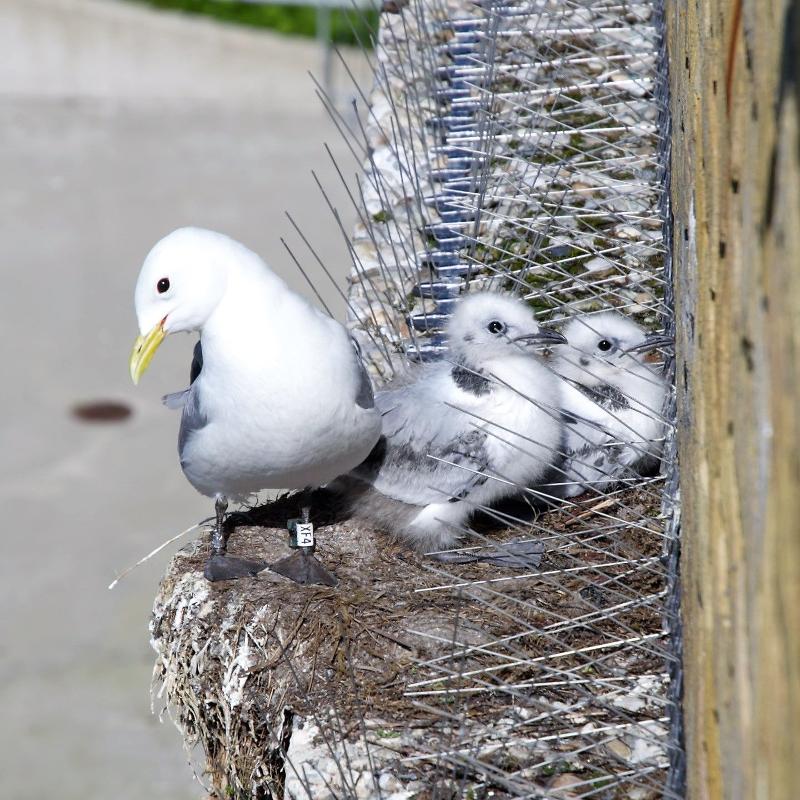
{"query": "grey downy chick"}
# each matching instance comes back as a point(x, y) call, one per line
point(462, 433)
point(612, 403)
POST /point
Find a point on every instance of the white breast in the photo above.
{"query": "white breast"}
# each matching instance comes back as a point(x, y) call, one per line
point(278, 388)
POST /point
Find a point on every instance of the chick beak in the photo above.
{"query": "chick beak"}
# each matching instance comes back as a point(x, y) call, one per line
point(542, 338)
point(653, 342)
point(144, 348)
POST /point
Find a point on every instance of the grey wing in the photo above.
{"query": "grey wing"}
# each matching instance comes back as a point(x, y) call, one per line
point(193, 418)
point(176, 400)
point(431, 453)
point(591, 455)
point(365, 397)
point(585, 422)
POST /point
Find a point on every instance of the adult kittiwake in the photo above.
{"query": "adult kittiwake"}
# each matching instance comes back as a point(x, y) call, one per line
point(612, 402)
point(279, 397)
point(462, 433)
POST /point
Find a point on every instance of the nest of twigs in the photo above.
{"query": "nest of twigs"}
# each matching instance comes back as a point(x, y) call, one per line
point(412, 678)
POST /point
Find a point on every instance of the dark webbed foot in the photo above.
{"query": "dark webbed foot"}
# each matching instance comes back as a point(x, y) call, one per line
point(228, 568)
point(221, 566)
point(517, 555)
point(303, 567)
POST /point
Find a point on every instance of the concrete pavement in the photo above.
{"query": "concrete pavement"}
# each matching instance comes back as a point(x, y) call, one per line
point(118, 124)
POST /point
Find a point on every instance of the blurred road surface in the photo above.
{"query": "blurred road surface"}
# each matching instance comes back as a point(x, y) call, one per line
point(118, 124)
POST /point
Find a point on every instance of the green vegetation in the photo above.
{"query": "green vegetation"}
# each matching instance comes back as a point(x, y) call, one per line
point(348, 26)
point(556, 768)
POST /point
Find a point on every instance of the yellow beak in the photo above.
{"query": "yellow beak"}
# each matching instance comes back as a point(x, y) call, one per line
point(144, 348)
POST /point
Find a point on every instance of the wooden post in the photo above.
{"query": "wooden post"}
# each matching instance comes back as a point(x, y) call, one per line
point(735, 80)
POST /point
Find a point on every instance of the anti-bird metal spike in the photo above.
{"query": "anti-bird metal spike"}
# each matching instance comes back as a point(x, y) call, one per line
point(538, 109)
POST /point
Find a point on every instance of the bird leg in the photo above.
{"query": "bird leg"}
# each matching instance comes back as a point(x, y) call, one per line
point(303, 566)
point(219, 537)
point(221, 566)
point(308, 549)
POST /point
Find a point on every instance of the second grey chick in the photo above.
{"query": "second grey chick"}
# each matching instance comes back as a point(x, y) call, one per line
point(612, 402)
point(461, 433)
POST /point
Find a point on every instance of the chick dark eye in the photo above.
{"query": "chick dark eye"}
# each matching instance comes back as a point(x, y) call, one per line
point(604, 345)
point(163, 285)
point(495, 326)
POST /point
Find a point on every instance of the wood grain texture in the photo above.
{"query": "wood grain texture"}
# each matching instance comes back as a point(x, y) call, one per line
point(735, 82)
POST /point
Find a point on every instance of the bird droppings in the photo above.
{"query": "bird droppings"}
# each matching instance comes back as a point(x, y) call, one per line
point(369, 674)
point(101, 411)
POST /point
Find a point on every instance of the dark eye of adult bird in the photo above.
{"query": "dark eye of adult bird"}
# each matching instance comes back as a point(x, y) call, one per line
point(604, 345)
point(162, 285)
point(495, 326)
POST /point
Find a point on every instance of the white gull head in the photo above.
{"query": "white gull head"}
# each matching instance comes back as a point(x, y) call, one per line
point(185, 276)
point(602, 349)
point(487, 325)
